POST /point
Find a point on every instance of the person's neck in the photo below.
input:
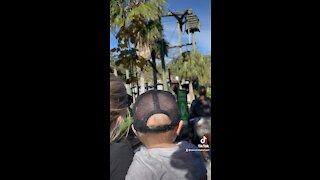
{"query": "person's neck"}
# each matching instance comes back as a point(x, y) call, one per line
point(161, 145)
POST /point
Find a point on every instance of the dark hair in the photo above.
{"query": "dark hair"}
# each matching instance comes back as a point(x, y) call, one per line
point(118, 101)
point(202, 90)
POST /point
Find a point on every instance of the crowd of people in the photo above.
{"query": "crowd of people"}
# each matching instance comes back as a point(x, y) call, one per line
point(151, 150)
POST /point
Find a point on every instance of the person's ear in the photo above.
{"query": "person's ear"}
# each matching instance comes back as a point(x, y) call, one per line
point(178, 128)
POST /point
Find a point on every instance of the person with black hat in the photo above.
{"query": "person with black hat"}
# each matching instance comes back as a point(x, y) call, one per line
point(157, 124)
point(200, 119)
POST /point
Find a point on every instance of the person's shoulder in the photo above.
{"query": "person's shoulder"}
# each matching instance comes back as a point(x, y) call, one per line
point(185, 144)
point(195, 101)
point(121, 152)
point(121, 156)
point(121, 148)
point(120, 145)
point(139, 169)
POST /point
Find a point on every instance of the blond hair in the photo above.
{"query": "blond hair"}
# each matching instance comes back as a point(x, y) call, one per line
point(118, 105)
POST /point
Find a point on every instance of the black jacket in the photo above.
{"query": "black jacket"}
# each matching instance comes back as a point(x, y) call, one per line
point(200, 108)
point(121, 155)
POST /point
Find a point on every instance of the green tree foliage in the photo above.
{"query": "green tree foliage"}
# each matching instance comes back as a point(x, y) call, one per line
point(205, 80)
point(137, 21)
point(193, 67)
point(138, 24)
point(120, 70)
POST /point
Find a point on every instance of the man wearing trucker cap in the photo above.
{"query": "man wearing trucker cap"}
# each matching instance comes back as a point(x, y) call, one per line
point(157, 124)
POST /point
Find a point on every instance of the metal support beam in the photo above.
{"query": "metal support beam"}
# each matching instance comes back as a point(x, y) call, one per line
point(193, 43)
point(189, 44)
point(179, 13)
point(179, 38)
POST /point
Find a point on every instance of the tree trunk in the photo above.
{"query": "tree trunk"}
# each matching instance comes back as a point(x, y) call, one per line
point(155, 81)
point(142, 83)
point(115, 71)
point(190, 96)
point(145, 52)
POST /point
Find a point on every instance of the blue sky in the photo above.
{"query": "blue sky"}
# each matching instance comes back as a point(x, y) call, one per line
point(201, 8)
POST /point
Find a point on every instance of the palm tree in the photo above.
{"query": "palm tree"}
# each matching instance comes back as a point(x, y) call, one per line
point(142, 17)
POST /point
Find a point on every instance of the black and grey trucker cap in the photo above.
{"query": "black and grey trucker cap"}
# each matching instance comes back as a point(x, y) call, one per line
point(155, 102)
